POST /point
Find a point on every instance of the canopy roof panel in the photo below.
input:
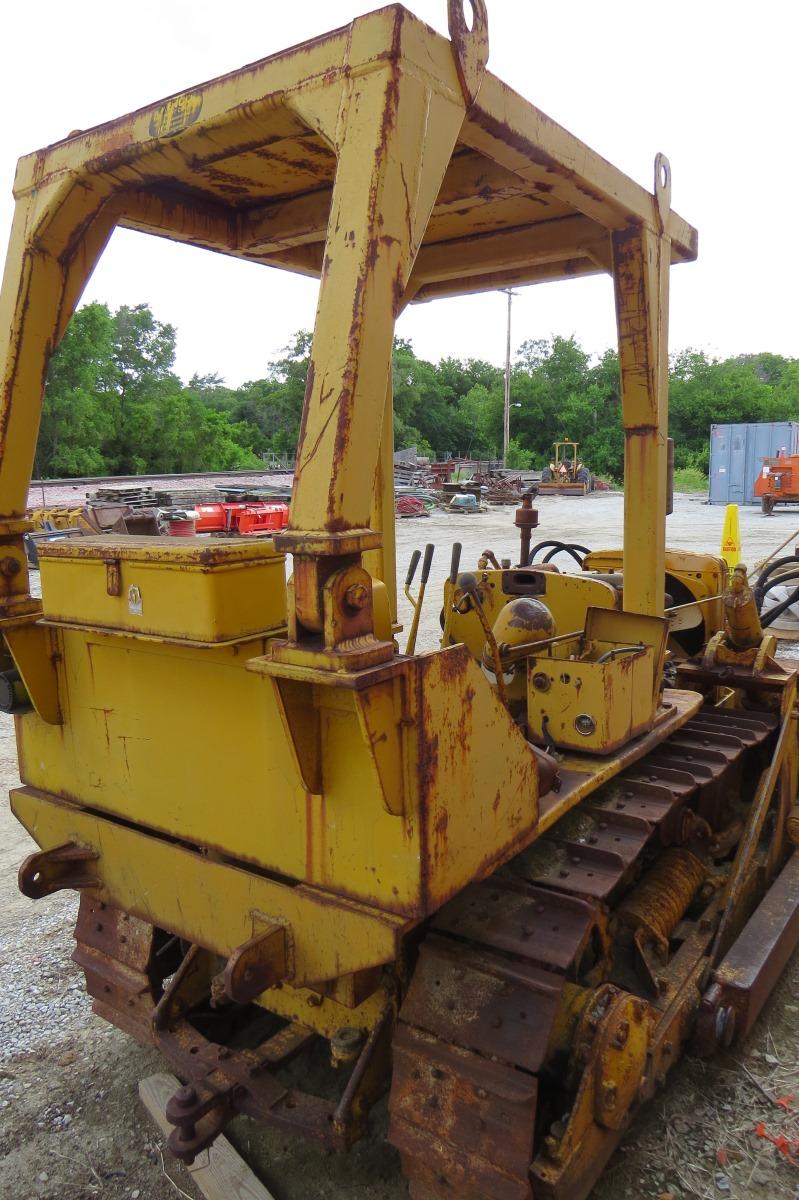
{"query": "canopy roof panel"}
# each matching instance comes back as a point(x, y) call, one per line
point(241, 165)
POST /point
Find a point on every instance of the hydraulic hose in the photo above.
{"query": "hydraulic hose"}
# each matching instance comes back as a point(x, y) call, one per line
point(779, 609)
point(557, 547)
point(779, 581)
point(760, 586)
point(577, 552)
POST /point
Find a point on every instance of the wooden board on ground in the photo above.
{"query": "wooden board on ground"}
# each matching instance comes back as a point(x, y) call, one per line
point(219, 1173)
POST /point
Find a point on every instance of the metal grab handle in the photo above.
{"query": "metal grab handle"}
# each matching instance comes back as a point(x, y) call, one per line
point(412, 565)
point(455, 562)
point(429, 551)
point(611, 654)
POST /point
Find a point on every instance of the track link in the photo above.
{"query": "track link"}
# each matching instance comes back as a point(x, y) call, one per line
point(527, 982)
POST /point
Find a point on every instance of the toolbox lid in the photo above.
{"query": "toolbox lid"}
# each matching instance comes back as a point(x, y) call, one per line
point(205, 553)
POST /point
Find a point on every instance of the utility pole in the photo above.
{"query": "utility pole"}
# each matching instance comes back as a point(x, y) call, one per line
point(506, 415)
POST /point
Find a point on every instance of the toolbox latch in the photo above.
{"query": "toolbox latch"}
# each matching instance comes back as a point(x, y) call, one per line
point(113, 577)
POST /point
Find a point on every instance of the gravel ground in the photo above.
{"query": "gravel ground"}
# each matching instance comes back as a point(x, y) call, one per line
point(71, 1126)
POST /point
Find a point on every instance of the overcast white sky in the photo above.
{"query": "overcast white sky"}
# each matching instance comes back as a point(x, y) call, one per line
point(713, 84)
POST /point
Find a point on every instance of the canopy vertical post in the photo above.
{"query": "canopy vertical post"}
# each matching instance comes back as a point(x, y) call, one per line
point(382, 563)
point(641, 280)
point(395, 133)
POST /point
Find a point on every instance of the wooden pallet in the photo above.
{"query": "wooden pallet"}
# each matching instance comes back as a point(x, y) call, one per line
point(219, 1173)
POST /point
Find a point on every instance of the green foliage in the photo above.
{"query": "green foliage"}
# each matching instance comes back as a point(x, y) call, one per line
point(114, 404)
point(76, 418)
point(450, 407)
point(518, 458)
point(689, 479)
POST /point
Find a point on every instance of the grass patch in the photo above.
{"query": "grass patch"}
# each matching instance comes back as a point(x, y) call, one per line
point(690, 479)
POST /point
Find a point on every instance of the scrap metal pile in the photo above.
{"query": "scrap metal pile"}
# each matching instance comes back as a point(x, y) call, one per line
point(457, 487)
point(144, 510)
point(499, 488)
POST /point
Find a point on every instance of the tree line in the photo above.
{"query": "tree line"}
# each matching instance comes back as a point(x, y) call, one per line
point(114, 405)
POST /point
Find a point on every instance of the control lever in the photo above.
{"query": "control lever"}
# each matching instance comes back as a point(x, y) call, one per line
point(416, 604)
point(471, 595)
point(455, 563)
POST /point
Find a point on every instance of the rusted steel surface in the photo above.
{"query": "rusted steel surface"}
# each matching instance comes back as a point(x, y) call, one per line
point(751, 835)
point(564, 984)
point(518, 976)
point(257, 965)
point(470, 43)
point(123, 964)
point(658, 800)
point(483, 1003)
point(476, 1105)
point(266, 163)
point(474, 1026)
point(663, 896)
point(517, 973)
point(549, 999)
point(546, 928)
point(48, 871)
point(591, 855)
point(126, 962)
point(664, 797)
point(472, 1100)
point(526, 520)
point(693, 674)
point(744, 979)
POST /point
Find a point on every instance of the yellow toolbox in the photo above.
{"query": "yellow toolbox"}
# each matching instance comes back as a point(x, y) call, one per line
point(182, 589)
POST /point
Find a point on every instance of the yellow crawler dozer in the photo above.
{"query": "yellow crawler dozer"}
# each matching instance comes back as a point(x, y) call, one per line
point(509, 879)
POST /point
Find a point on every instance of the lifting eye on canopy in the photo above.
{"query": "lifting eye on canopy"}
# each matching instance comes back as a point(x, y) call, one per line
point(469, 36)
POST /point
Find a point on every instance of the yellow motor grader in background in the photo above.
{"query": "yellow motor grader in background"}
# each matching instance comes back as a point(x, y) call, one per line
point(509, 880)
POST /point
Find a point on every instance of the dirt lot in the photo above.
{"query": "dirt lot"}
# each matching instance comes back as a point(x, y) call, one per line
point(71, 1126)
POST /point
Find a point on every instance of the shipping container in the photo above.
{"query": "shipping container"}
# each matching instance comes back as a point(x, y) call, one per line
point(737, 453)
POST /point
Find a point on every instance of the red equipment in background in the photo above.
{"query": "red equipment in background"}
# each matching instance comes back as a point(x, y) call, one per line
point(778, 481)
point(247, 518)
